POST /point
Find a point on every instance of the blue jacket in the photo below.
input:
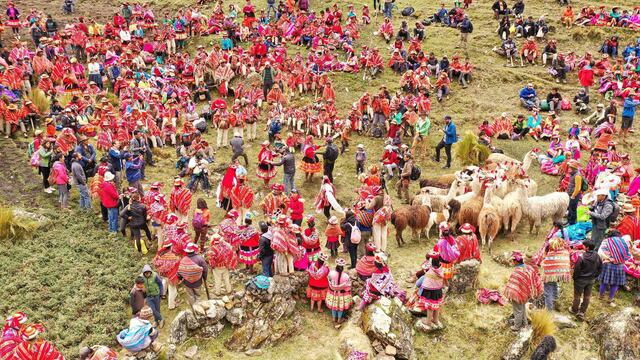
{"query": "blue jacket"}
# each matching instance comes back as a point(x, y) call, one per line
point(133, 170)
point(116, 159)
point(527, 93)
point(86, 155)
point(227, 44)
point(450, 135)
point(629, 110)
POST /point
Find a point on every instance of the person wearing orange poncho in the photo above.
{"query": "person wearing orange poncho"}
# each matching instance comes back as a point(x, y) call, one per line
point(523, 284)
point(33, 348)
point(630, 223)
point(467, 243)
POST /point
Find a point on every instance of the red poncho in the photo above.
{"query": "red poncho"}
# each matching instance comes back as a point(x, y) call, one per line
point(468, 246)
point(180, 200)
point(524, 284)
point(166, 263)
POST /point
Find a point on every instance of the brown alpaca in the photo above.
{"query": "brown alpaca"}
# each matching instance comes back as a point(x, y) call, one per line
point(470, 210)
point(414, 216)
point(489, 219)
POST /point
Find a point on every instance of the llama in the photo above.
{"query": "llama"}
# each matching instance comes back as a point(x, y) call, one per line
point(439, 202)
point(496, 158)
point(538, 208)
point(437, 218)
point(470, 209)
point(513, 212)
point(489, 219)
point(414, 216)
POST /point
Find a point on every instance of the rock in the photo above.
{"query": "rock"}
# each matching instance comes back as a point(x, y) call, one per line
point(352, 338)
point(212, 331)
point(199, 310)
point(618, 334)
point(254, 352)
point(193, 321)
point(269, 316)
point(503, 259)
point(563, 321)
point(390, 350)
point(229, 305)
point(466, 278)
point(516, 350)
point(421, 325)
point(383, 356)
point(171, 352)
point(178, 329)
point(191, 352)
point(225, 299)
point(235, 316)
point(388, 322)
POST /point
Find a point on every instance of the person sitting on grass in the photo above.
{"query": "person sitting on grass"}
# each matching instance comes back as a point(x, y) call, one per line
point(529, 97)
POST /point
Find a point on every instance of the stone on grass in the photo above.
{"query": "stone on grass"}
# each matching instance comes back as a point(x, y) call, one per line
point(191, 352)
point(618, 334)
point(563, 321)
point(516, 350)
point(389, 322)
point(466, 278)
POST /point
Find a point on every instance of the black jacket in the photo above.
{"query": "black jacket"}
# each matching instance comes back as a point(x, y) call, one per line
point(587, 267)
point(265, 247)
point(135, 213)
point(347, 225)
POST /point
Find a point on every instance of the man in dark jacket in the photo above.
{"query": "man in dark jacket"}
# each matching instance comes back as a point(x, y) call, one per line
point(237, 147)
point(347, 225)
point(153, 287)
point(137, 295)
point(135, 215)
point(600, 214)
point(51, 26)
point(80, 180)
point(288, 163)
point(585, 272)
point(193, 288)
point(266, 252)
point(329, 156)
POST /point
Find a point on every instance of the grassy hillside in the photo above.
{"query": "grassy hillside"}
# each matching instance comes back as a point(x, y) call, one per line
point(76, 280)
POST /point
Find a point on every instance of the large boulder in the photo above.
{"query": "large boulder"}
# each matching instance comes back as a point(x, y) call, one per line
point(269, 316)
point(388, 322)
point(352, 337)
point(466, 278)
point(516, 350)
point(203, 320)
point(618, 334)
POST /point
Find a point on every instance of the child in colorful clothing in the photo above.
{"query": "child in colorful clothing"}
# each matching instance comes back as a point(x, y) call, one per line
point(318, 282)
point(429, 295)
point(249, 242)
point(339, 296)
point(614, 252)
point(556, 267)
point(361, 157)
point(524, 284)
point(333, 232)
point(447, 250)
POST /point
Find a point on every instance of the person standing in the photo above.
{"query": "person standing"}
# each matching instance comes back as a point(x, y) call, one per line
point(137, 296)
point(80, 180)
point(109, 198)
point(330, 155)
point(450, 137)
point(116, 156)
point(318, 282)
point(133, 167)
point(288, 163)
point(405, 178)
point(268, 78)
point(523, 284)
point(466, 28)
point(45, 153)
point(348, 225)
point(628, 113)
point(153, 287)
point(586, 270)
point(237, 146)
point(600, 213)
point(135, 214)
point(61, 179)
point(361, 158)
point(556, 267)
point(166, 262)
point(577, 185)
point(614, 252)
point(266, 252)
point(193, 271)
point(338, 298)
point(222, 258)
point(200, 222)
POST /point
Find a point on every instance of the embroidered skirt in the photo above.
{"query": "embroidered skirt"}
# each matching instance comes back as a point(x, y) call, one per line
point(266, 171)
point(316, 294)
point(428, 300)
point(339, 300)
point(311, 166)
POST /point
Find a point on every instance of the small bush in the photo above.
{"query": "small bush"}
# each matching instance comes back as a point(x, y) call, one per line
point(40, 100)
point(12, 227)
point(542, 324)
point(470, 152)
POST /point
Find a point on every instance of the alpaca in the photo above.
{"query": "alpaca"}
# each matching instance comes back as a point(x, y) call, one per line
point(537, 208)
point(470, 209)
point(438, 202)
point(454, 209)
point(433, 183)
point(496, 158)
point(437, 218)
point(513, 212)
point(489, 219)
point(414, 216)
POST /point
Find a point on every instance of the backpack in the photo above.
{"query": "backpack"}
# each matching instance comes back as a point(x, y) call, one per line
point(189, 270)
point(584, 186)
point(408, 11)
point(614, 214)
point(415, 173)
point(356, 235)
point(331, 154)
point(52, 176)
point(198, 221)
point(35, 159)
point(470, 27)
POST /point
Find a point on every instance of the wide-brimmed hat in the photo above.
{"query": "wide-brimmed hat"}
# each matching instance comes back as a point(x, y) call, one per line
point(467, 228)
point(333, 220)
point(341, 262)
point(178, 182)
point(191, 248)
point(108, 176)
point(322, 256)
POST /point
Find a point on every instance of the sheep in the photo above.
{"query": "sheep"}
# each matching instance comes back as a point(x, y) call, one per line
point(489, 219)
point(537, 208)
point(414, 216)
point(437, 218)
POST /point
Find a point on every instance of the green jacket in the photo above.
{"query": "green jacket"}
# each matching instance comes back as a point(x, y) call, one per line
point(422, 127)
point(45, 156)
point(153, 284)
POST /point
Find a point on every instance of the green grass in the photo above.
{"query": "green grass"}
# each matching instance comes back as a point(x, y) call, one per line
point(76, 280)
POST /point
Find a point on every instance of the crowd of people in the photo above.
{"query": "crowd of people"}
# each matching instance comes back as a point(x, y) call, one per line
point(101, 98)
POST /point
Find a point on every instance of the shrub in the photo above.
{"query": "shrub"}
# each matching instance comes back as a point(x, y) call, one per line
point(13, 227)
point(40, 100)
point(542, 324)
point(469, 151)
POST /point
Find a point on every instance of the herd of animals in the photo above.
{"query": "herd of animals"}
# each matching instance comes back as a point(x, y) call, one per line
point(498, 196)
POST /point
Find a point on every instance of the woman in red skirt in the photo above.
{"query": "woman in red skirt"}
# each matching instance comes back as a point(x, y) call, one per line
point(318, 282)
point(266, 170)
point(339, 296)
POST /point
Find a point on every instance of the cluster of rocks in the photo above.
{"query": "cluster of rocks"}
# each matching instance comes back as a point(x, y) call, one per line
point(260, 318)
point(142, 355)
